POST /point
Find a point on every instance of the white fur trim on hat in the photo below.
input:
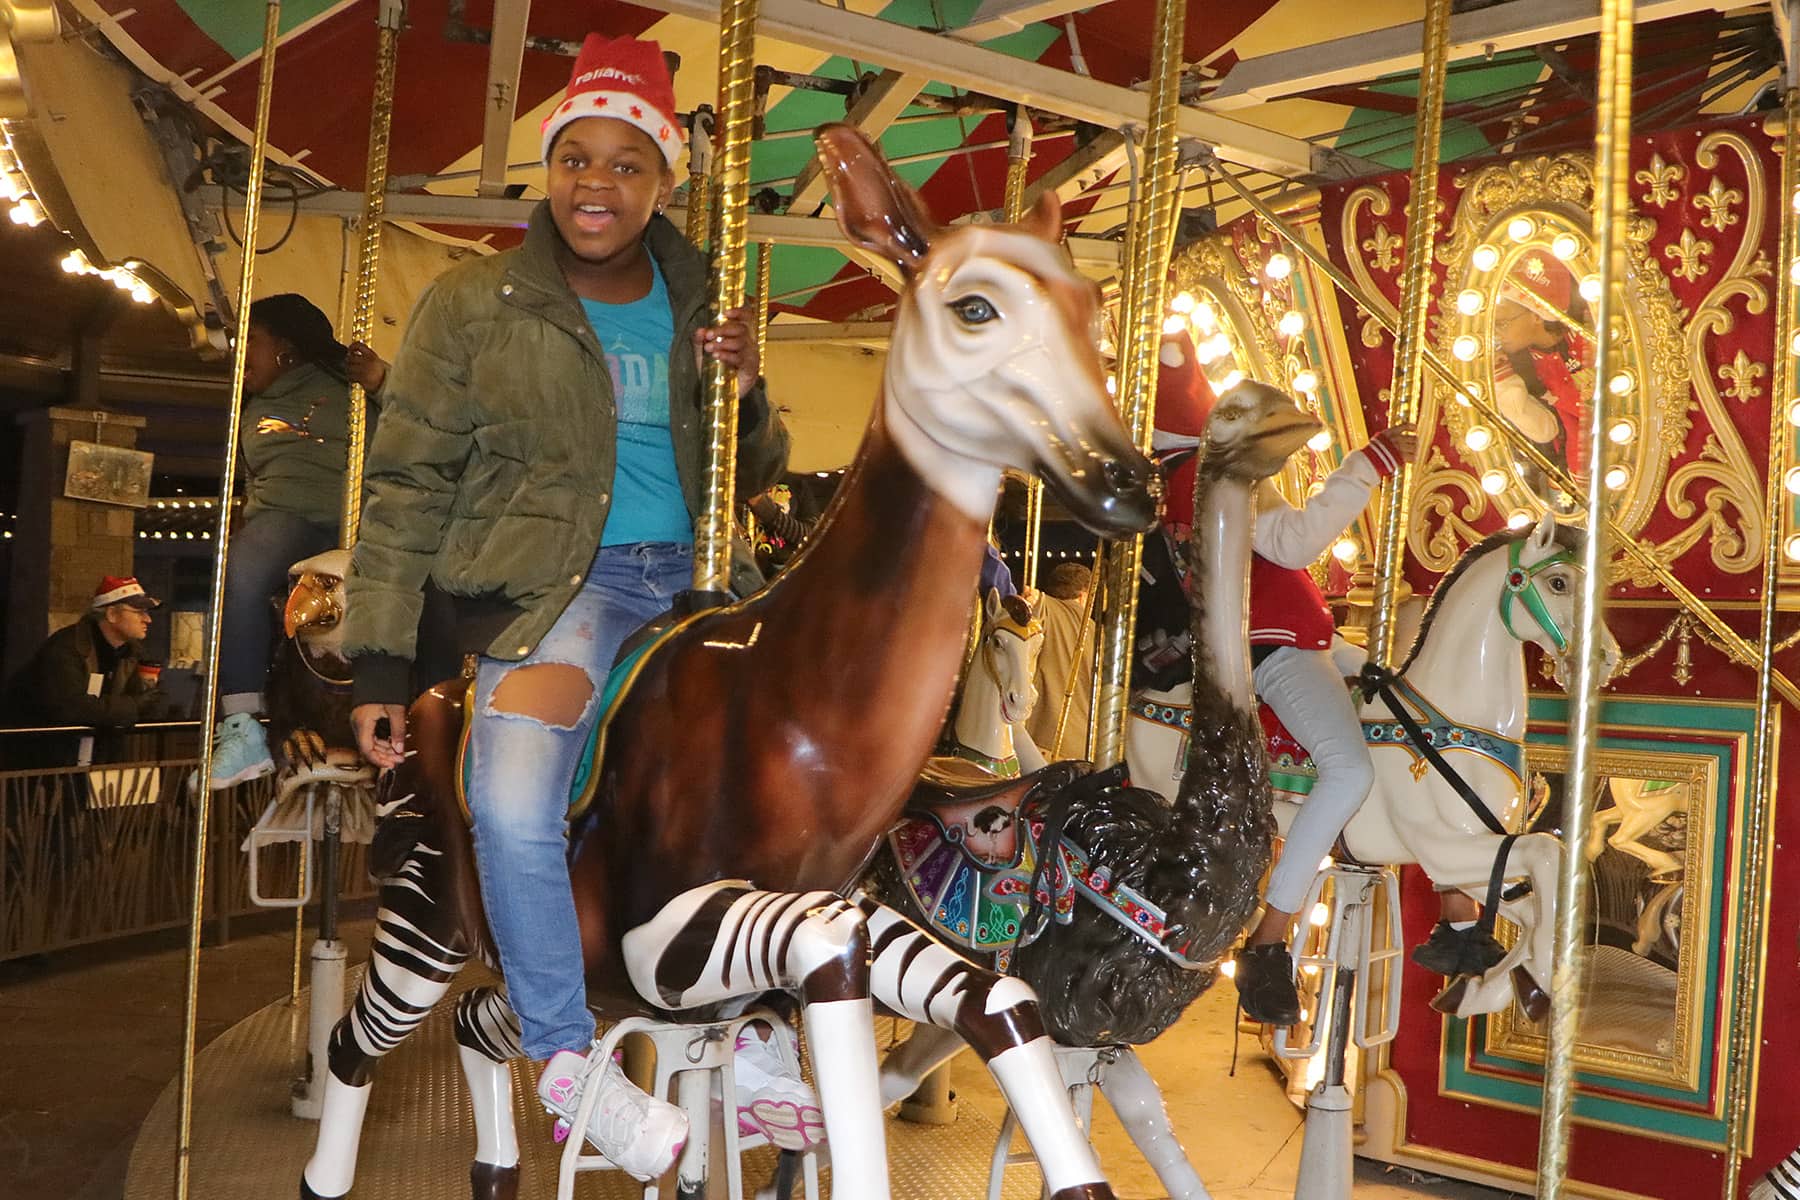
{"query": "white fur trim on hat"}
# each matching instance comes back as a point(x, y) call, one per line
point(628, 107)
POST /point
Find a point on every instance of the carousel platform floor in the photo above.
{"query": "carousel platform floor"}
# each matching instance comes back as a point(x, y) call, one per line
point(1239, 1130)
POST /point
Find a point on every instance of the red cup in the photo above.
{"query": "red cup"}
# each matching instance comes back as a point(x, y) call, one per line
point(149, 673)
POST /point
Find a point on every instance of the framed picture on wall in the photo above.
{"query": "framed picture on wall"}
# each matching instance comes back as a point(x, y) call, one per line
point(108, 474)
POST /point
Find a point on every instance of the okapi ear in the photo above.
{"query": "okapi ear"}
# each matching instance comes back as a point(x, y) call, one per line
point(1045, 218)
point(874, 208)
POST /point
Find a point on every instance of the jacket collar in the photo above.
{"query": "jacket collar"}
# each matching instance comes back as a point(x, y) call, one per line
point(539, 286)
point(305, 377)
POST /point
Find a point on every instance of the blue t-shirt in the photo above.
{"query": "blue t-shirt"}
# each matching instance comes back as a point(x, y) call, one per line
point(647, 503)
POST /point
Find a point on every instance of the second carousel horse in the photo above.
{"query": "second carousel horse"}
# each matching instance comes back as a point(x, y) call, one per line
point(762, 749)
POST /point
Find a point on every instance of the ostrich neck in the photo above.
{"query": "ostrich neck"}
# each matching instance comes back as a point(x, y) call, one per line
point(978, 723)
point(1219, 588)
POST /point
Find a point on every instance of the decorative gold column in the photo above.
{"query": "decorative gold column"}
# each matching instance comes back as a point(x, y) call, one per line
point(699, 198)
point(368, 256)
point(1612, 210)
point(731, 185)
point(1415, 306)
point(765, 254)
point(1746, 1012)
point(1153, 232)
point(1635, 549)
point(1018, 159)
point(202, 802)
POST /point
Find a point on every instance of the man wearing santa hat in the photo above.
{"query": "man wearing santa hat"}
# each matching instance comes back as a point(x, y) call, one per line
point(91, 673)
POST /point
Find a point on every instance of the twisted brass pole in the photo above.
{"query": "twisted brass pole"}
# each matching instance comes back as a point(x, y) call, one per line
point(1149, 268)
point(1018, 160)
point(1745, 1016)
point(765, 252)
point(1641, 552)
point(1415, 305)
point(1612, 210)
point(184, 1104)
point(699, 199)
point(368, 257)
point(731, 187)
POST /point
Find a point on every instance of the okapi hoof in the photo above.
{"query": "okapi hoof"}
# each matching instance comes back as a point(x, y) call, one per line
point(1450, 999)
point(488, 1181)
point(1084, 1191)
point(306, 1192)
point(1532, 998)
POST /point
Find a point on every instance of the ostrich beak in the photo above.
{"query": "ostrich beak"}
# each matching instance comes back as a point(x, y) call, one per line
point(310, 606)
point(1283, 432)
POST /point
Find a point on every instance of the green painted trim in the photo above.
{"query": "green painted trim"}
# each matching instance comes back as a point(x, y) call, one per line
point(237, 25)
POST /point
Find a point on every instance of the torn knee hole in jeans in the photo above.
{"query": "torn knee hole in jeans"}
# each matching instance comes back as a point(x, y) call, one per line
point(555, 695)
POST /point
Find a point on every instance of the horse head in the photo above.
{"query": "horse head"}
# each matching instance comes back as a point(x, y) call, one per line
point(994, 357)
point(1011, 638)
point(1537, 601)
point(1252, 431)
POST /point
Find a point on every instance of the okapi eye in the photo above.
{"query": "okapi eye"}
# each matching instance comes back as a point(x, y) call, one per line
point(974, 310)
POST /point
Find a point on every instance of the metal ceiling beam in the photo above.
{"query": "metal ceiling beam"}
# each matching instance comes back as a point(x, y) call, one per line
point(1094, 255)
point(1366, 56)
point(955, 62)
point(997, 18)
point(1083, 168)
point(506, 56)
point(885, 99)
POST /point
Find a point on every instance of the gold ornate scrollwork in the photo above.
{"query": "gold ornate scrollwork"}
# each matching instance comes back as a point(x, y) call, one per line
point(1742, 374)
point(1385, 245)
point(1662, 179)
point(1689, 256)
point(1717, 204)
point(1442, 523)
point(1378, 204)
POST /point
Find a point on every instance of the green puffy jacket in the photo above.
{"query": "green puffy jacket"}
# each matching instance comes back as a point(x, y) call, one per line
point(492, 470)
point(293, 446)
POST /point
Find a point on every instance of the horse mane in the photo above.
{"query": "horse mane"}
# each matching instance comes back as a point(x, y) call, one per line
point(1569, 537)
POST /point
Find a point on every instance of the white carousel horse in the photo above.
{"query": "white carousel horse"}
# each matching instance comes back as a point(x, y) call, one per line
point(1638, 807)
point(1465, 684)
point(998, 692)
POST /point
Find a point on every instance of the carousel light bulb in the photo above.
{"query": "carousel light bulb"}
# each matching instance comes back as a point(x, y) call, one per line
point(1292, 323)
point(12, 186)
point(1621, 433)
point(1228, 968)
point(1478, 438)
point(1621, 384)
point(28, 212)
point(1590, 288)
point(1794, 272)
point(1617, 476)
point(1345, 550)
point(1519, 519)
point(1231, 380)
point(1217, 346)
point(1112, 385)
point(1174, 323)
point(1279, 266)
point(1471, 390)
point(1306, 380)
point(1794, 413)
point(70, 263)
point(1466, 347)
point(1565, 246)
point(1493, 482)
point(1795, 344)
point(1319, 442)
point(1486, 257)
point(1469, 302)
point(1797, 200)
point(141, 294)
point(1182, 302)
point(1792, 480)
point(1206, 317)
point(1520, 228)
point(1791, 548)
point(1320, 915)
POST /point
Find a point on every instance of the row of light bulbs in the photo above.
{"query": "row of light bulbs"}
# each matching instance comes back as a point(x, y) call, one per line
point(76, 263)
point(204, 535)
point(27, 211)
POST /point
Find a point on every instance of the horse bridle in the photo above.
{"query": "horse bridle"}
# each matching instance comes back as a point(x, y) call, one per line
point(1521, 585)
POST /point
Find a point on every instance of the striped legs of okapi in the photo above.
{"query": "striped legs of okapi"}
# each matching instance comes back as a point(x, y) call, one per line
point(411, 964)
point(727, 940)
point(922, 979)
point(487, 1039)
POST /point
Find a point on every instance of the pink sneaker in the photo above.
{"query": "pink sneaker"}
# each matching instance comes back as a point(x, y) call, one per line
point(772, 1100)
point(637, 1133)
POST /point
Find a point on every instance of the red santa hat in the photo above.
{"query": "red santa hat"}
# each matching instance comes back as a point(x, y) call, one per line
point(623, 78)
point(122, 589)
point(1184, 398)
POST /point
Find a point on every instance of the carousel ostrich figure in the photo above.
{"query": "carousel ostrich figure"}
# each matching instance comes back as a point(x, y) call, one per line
point(763, 748)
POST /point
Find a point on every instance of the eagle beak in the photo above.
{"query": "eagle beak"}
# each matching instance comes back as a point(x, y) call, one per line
point(310, 606)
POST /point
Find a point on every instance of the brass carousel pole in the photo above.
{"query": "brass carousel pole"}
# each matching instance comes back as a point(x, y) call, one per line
point(765, 252)
point(699, 198)
point(731, 185)
point(1152, 234)
point(1642, 553)
point(265, 86)
point(1018, 159)
point(1415, 307)
point(1740, 1076)
point(1612, 175)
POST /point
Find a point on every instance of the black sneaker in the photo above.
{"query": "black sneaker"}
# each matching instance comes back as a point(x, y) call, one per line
point(1265, 984)
point(1450, 951)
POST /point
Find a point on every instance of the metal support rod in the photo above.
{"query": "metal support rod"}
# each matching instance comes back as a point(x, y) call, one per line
point(1641, 552)
point(731, 189)
point(184, 1110)
point(1018, 162)
point(1612, 210)
point(368, 257)
point(1149, 271)
point(1415, 307)
point(1744, 1018)
point(765, 272)
point(699, 197)
point(1081, 651)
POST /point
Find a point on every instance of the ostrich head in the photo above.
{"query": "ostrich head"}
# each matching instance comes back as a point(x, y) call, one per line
point(1252, 431)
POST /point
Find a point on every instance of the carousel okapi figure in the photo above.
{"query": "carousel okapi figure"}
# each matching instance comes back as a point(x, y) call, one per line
point(1140, 898)
point(761, 750)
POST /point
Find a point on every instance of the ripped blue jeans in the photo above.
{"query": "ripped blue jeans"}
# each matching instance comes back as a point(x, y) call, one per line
point(520, 769)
